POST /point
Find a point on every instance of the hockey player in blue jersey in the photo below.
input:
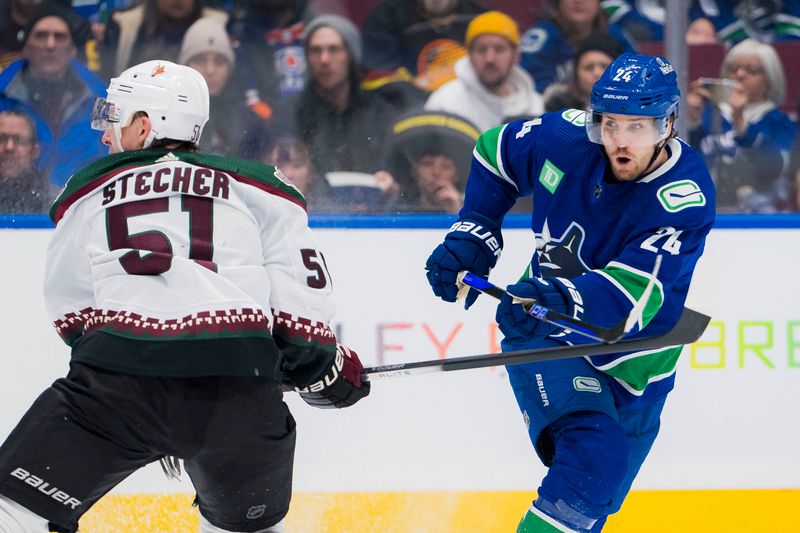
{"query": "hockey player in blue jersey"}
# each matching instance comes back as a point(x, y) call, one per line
point(613, 188)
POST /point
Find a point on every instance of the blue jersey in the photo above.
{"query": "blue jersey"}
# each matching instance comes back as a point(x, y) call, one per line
point(599, 235)
point(547, 55)
point(765, 21)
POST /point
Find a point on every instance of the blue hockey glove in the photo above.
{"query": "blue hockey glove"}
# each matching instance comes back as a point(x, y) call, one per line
point(473, 243)
point(514, 320)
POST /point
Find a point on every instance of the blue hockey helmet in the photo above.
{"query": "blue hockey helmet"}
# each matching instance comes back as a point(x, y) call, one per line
point(635, 85)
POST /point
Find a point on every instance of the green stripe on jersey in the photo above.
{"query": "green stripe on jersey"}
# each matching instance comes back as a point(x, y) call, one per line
point(632, 283)
point(486, 149)
point(536, 521)
point(639, 369)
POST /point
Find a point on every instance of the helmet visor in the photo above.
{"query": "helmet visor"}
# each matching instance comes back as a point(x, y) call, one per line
point(104, 114)
point(626, 130)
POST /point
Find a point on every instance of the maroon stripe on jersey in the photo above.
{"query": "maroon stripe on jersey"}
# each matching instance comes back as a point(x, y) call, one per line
point(271, 189)
point(303, 329)
point(71, 326)
point(205, 322)
point(94, 184)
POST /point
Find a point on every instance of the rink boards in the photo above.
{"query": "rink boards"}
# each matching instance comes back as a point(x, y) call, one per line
point(449, 452)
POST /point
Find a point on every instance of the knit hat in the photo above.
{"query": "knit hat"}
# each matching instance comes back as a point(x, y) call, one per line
point(350, 34)
point(78, 27)
point(206, 35)
point(493, 22)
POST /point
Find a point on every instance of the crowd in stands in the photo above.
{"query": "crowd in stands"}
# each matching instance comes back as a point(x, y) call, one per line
point(373, 106)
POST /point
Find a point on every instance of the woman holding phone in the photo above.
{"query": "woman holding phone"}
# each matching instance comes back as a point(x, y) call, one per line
point(736, 122)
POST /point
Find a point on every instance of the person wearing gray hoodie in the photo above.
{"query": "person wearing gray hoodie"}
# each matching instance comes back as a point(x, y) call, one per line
point(489, 88)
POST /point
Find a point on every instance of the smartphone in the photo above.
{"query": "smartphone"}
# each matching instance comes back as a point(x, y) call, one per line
point(720, 88)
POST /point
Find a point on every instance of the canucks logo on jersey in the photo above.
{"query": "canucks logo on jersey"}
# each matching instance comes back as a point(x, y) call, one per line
point(561, 257)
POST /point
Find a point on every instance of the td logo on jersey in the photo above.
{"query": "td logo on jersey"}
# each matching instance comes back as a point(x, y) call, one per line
point(550, 176)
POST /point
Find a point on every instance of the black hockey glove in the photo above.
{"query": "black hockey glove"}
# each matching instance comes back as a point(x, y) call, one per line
point(341, 385)
point(473, 243)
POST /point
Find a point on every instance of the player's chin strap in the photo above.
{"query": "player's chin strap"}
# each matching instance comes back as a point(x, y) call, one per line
point(660, 146)
point(656, 152)
point(118, 137)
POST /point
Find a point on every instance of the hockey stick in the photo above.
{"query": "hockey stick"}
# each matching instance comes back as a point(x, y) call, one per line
point(540, 312)
point(688, 329)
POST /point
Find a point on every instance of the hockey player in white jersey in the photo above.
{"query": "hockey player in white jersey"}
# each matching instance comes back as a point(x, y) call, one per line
point(189, 287)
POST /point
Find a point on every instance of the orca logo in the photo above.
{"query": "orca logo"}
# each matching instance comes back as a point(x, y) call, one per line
point(561, 257)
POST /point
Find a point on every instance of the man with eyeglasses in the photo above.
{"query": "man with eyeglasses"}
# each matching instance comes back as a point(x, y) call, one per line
point(57, 90)
point(23, 187)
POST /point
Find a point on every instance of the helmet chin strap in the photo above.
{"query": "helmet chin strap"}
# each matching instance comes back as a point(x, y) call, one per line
point(151, 136)
point(117, 137)
point(656, 152)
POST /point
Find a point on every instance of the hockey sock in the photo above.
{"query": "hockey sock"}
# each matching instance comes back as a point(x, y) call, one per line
point(536, 521)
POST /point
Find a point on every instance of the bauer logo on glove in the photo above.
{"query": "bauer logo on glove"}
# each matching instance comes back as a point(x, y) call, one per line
point(484, 234)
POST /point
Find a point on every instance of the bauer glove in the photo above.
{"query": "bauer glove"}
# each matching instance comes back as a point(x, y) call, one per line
point(512, 313)
point(341, 385)
point(473, 243)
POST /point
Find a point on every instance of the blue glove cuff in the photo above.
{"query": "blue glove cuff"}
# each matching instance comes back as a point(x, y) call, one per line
point(481, 230)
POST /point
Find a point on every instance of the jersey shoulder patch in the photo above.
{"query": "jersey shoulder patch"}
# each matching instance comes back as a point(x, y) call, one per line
point(576, 117)
point(679, 195)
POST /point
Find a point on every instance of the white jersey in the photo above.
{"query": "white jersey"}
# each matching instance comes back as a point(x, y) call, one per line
point(155, 245)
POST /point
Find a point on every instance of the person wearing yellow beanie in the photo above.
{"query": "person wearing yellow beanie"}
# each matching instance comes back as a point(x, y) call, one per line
point(489, 87)
point(493, 22)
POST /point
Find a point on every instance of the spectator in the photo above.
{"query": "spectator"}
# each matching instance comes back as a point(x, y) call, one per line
point(793, 185)
point(343, 126)
point(268, 37)
point(489, 87)
point(24, 187)
point(762, 20)
point(548, 48)
point(15, 16)
point(736, 123)
point(234, 129)
point(644, 21)
point(429, 155)
point(153, 29)
point(57, 90)
point(292, 157)
point(591, 59)
point(423, 37)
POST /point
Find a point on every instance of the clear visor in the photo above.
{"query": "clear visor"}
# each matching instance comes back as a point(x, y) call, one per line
point(626, 130)
point(105, 114)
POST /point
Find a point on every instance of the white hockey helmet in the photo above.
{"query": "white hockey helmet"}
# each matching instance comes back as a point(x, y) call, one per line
point(175, 98)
